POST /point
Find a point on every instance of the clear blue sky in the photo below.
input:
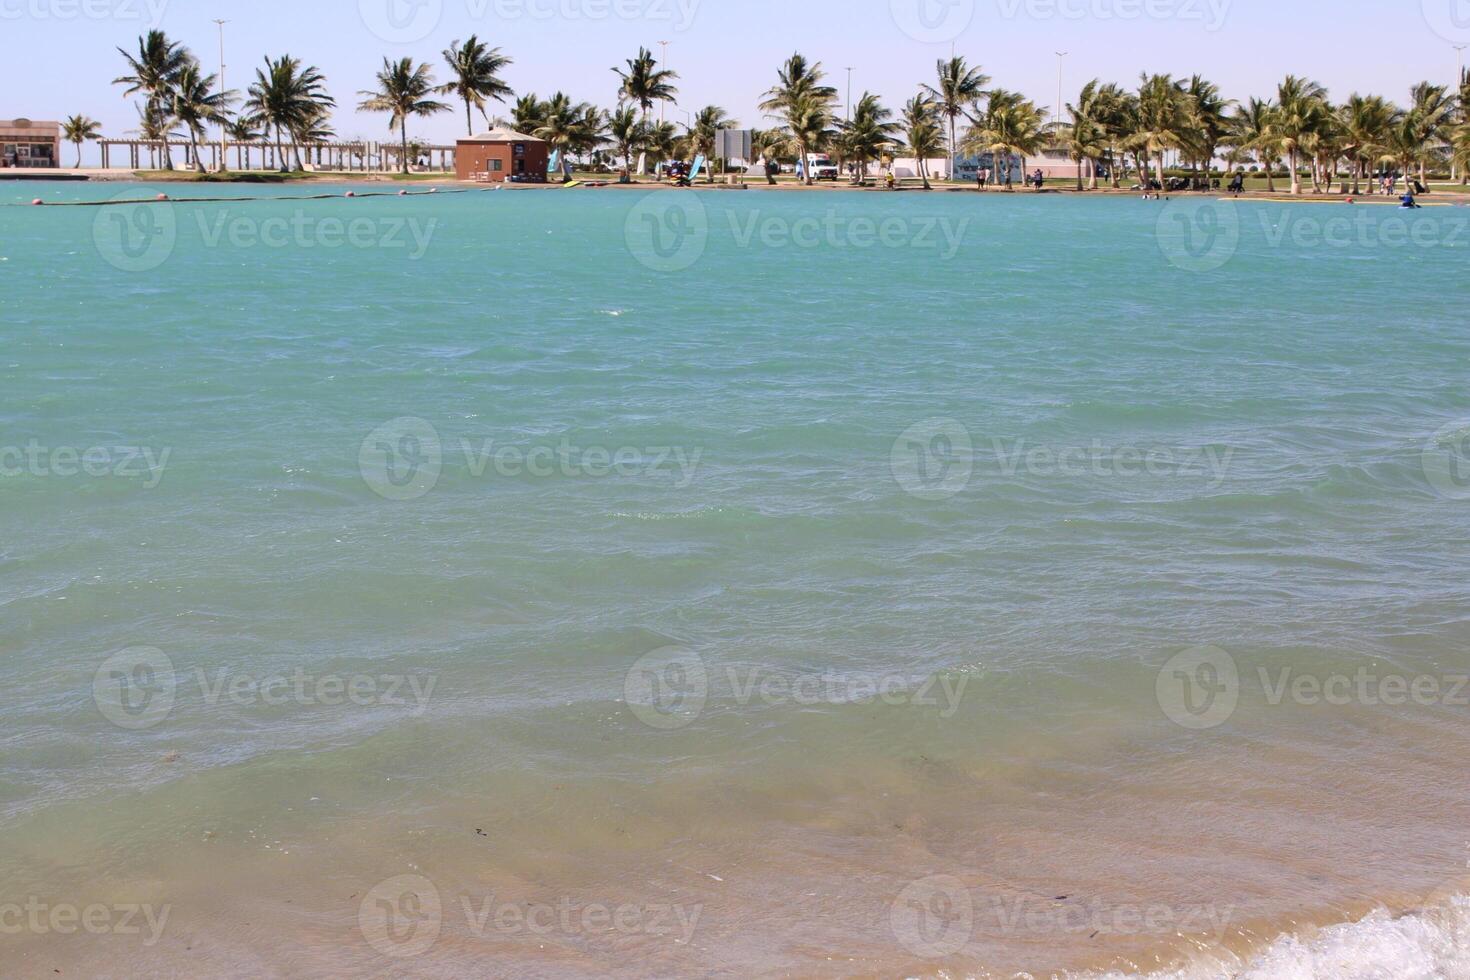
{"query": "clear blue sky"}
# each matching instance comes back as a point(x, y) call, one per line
point(61, 55)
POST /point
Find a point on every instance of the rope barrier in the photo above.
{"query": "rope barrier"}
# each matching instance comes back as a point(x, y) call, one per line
point(164, 199)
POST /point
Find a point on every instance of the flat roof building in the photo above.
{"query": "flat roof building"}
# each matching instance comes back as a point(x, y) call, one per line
point(501, 154)
point(24, 143)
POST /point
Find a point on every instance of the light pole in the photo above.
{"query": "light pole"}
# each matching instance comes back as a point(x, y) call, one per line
point(1056, 114)
point(849, 95)
point(665, 63)
point(224, 135)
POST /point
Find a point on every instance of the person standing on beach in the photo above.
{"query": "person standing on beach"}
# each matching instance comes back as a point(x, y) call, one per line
point(981, 176)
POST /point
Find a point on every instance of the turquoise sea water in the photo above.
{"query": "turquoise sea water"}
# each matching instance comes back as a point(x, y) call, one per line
point(1001, 457)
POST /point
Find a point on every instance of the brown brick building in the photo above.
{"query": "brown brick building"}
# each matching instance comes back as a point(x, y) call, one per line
point(24, 143)
point(500, 155)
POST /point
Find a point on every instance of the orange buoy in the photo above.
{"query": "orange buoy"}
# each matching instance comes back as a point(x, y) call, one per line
point(403, 193)
point(37, 203)
point(161, 197)
point(351, 194)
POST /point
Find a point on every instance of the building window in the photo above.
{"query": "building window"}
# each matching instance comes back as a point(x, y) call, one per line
point(519, 149)
point(497, 166)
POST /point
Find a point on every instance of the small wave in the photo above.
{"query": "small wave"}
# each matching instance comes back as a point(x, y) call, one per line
point(1417, 945)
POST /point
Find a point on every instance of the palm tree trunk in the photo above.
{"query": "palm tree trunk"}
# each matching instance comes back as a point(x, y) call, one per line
point(79, 156)
point(950, 175)
point(1159, 169)
point(469, 119)
point(194, 151)
point(1296, 174)
point(403, 131)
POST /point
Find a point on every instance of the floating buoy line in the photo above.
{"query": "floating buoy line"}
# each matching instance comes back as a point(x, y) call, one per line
point(165, 199)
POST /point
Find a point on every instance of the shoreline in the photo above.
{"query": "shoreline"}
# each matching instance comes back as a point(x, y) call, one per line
point(1439, 197)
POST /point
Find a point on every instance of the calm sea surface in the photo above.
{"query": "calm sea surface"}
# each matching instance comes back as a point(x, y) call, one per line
point(579, 582)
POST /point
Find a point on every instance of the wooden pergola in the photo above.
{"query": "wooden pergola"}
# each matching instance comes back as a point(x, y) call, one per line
point(360, 157)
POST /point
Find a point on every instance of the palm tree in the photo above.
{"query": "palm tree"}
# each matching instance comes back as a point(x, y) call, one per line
point(1301, 105)
point(1208, 122)
point(476, 70)
point(1085, 137)
point(765, 146)
point(626, 132)
point(959, 87)
point(1163, 119)
point(1253, 128)
point(196, 104)
point(589, 131)
point(527, 114)
point(563, 124)
point(403, 90)
point(803, 105)
point(867, 133)
point(1430, 113)
point(1365, 122)
point(644, 83)
point(153, 73)
point(1011, 126)
point(79, 129)
point(922, 132)
point(287, 98)
point(156, 126)
point(707, 123)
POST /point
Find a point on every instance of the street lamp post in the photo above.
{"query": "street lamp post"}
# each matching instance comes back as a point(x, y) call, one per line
point(849, 95)
point(1056, 114)
point(662, 105)
point(224, 135)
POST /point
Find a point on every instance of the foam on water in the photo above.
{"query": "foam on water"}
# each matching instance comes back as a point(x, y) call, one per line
point(1425, 944)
